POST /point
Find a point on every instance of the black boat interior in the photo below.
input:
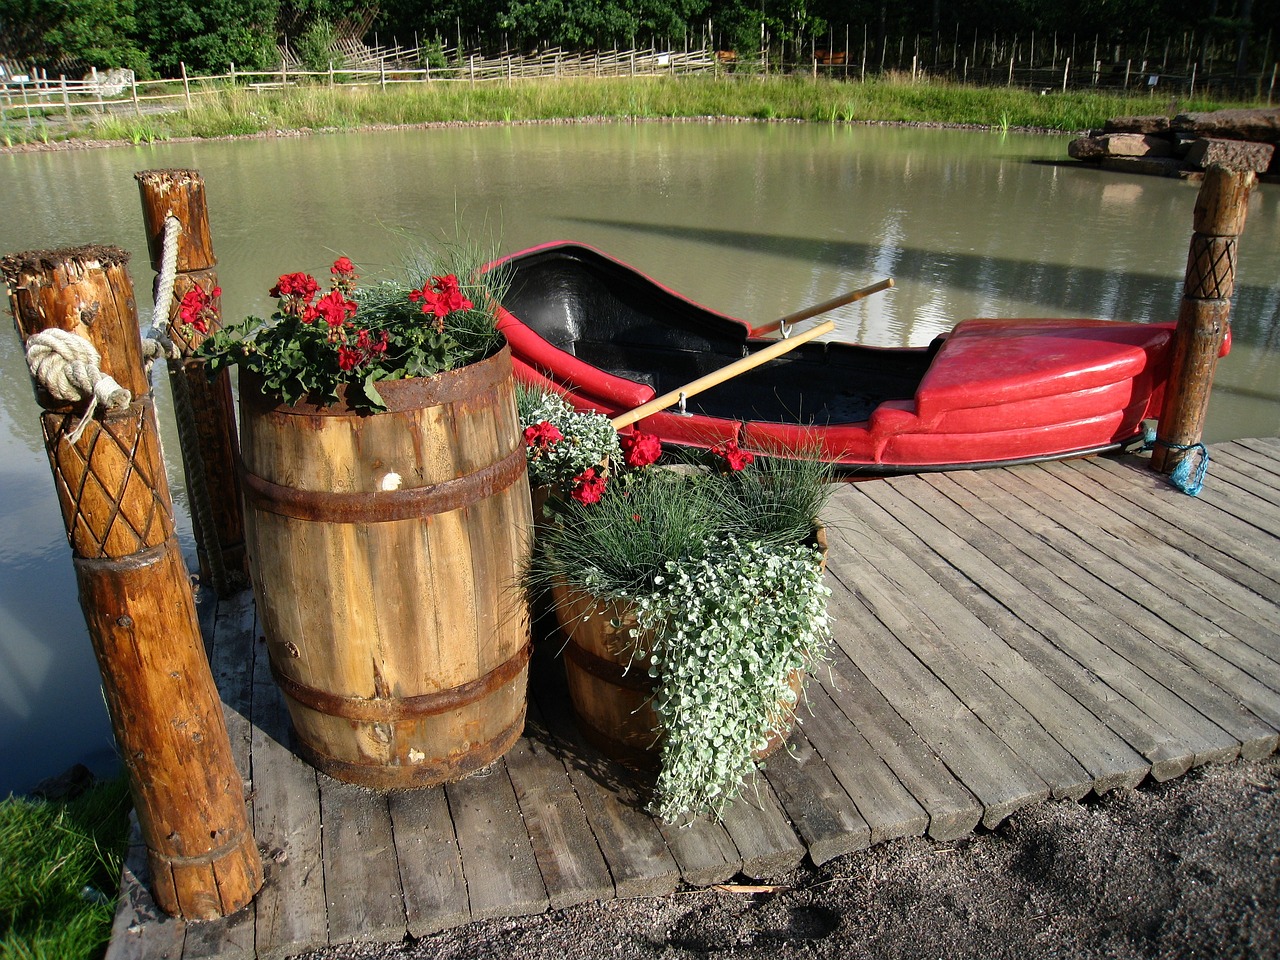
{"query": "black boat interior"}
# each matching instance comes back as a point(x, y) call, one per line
point(621, 322)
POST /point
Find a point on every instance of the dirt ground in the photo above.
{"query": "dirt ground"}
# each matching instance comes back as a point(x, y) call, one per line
point(1186, 869)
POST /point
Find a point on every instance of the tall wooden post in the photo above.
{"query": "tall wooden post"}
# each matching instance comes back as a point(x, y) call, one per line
point(205, 410)
point(134, 589)
point(1203, 317)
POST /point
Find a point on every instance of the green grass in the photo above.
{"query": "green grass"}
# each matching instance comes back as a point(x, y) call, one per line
point(59, 872)
point(239, 111)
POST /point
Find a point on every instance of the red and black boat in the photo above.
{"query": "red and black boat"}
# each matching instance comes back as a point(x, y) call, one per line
point(990, 392)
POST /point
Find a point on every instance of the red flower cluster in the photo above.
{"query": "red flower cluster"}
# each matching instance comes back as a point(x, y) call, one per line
point(295, 291)
point(542, 435)
point(440, 296)
point(640, 449)
point(734, 458)
point(366, 349)
point(588, 486)
point(198, 308)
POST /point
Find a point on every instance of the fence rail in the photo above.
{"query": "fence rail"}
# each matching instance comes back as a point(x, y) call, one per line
point(35, 98)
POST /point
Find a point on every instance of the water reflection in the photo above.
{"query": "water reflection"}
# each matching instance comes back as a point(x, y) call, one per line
point(755, 220)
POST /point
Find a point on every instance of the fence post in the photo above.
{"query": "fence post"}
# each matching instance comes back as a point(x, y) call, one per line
point(133, 585)
point(1204, 314)
point(186, 83)
point(66, 97)
point(205, 412)
point(1066, 72)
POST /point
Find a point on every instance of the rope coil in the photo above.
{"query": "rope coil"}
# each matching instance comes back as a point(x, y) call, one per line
point(67, 366)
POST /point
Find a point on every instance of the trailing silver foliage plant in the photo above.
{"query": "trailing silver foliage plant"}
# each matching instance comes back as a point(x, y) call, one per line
point(726, 634)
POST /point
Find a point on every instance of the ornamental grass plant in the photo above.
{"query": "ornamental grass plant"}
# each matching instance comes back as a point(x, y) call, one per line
point(713, 552)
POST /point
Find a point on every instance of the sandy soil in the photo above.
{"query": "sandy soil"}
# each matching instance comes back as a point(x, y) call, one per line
point(1186, 869)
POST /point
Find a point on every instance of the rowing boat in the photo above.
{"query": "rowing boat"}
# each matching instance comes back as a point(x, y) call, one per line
point(990, 392)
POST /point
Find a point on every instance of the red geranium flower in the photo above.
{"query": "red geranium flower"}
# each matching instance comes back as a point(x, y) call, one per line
point(542, 435)
point(334, 307)
point(640, 449)
point(197, 308)
point(588, 486)
point(343, 267)
point(734, 457)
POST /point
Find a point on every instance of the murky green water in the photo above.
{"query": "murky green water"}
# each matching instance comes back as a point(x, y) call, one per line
point(754, 220)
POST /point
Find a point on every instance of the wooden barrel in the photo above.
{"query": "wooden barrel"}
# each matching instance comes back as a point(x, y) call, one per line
point(385, 550)
point(612, 698)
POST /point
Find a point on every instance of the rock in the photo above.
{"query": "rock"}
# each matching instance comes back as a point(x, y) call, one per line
point(65, 786)
point(1260, 124)
point(1152, 166)
point(1143, 125)
point(1086, 148)
point(1135, 145)
point(1231, 154)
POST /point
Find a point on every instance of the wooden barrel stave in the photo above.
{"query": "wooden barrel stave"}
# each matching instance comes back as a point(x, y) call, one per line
point(378, 613)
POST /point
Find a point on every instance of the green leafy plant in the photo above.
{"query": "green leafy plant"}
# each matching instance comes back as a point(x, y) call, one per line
point(560, 441)
point(345, 342)
point(712, 556)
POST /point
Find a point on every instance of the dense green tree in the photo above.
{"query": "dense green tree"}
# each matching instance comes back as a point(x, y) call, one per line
point(97, 33)
point(208, 35)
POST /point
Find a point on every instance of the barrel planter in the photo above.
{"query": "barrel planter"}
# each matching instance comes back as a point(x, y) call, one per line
point(385, 550)
point(612, 698)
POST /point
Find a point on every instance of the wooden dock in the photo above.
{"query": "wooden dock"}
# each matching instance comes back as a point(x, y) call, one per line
point(1003, 636)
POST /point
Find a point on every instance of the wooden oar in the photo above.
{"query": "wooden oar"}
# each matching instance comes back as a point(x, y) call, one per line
point(705, 382)
point(853, 296)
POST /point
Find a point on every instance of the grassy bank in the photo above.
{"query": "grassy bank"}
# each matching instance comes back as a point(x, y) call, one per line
point(243, 112)
point(59, 872)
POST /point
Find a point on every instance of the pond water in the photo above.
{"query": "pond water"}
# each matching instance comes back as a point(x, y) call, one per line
point(755, 220)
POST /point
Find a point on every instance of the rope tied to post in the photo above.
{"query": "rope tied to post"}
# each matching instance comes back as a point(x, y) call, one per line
point(67, 366)
point(1183, 476)
point(157, 342)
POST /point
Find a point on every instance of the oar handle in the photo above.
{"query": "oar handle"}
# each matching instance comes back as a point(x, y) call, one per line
point(853, 296)
point(707, 381)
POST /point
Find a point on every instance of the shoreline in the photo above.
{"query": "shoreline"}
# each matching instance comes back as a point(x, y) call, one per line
point(74, 144)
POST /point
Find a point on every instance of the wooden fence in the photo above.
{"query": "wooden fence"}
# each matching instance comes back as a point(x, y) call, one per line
point(36, 98)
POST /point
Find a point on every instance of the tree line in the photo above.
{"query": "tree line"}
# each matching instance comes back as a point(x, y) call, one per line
point(153, 37)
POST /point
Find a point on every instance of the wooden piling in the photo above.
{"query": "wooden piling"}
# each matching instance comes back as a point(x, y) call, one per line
point(1204, 314)
point(205, 412)
point(137, 598)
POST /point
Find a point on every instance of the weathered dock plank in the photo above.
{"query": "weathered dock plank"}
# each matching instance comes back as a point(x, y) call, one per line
point(1001, 636)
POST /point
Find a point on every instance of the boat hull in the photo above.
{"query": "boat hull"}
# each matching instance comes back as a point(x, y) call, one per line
point(991, 392)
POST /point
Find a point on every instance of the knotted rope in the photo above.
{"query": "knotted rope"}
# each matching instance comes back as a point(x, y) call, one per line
point(157, 342)
point(66, 365)
point(1183, 476)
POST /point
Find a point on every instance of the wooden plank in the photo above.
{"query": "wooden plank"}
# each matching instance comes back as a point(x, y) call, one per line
point(987, 767)
point(1103, 757)
point(1210, 526)
point(431, 875)
point(503, 879)
point(760, 830)
point(703, 851)
point(1148, 717)
point(1199, 676)
point(1217, 599)
point(1253, 472)
point(1247, 662)
point(1186, 548)
point(825, 817)
point(1042, 573)
point(291, 912)
point(1229, 487)
point(1262, 457)
point(572, 866)
point(141, 930)
point(612, 798)
point(231, 639)
point(887, 807)
point(953, 811)
point(1015, 702)
point(362, 886)
point(1119, 764)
